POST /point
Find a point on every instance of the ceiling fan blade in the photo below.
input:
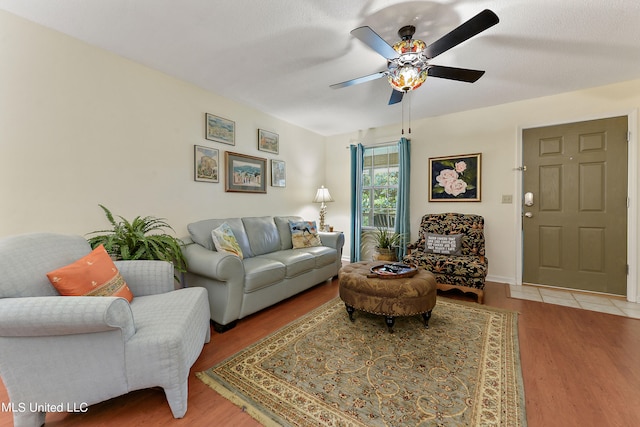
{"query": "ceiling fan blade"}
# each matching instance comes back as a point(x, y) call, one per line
point(396, 96)
point(359, 80)
point(374, 41)
point(473, 26)
point(452, 73)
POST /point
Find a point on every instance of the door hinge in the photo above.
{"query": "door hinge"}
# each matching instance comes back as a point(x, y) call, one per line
point(628, 136)
point(627, 269)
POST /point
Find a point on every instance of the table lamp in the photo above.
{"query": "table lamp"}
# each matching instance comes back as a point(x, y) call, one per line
point(322, 196)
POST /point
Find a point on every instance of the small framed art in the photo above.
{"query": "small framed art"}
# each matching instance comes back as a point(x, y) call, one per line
point(245, 174)
point(268, 141)
point(278, 173)
point(220, 130)
point(206, 161)
point(455, 178)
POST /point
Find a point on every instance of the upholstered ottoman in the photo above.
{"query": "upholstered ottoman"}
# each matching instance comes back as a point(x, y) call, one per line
point(390, 298)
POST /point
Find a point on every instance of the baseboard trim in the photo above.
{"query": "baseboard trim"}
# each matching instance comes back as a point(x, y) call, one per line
point(501, 279)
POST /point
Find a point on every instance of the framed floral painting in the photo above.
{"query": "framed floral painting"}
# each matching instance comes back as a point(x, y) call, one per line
point(455, 178)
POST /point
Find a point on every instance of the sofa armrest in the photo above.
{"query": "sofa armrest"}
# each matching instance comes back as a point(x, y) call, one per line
point(332, 239)
point(416, 251)
point(64, 315)
point(220, 266)
point(413, 247)
point(147, 277)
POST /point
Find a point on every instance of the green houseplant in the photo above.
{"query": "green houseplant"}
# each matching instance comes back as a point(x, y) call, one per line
point(385, 242)
point(143, 238)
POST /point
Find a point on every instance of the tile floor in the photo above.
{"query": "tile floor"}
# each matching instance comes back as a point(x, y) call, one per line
point(594, 302)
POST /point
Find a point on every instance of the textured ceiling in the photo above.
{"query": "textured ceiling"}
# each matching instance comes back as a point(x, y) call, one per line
point(280, 56)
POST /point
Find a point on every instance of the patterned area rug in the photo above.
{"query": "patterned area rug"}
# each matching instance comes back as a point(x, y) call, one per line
point(323, 370)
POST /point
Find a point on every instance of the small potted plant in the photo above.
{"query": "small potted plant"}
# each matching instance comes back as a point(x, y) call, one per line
point(143, 238)
point(386, 243)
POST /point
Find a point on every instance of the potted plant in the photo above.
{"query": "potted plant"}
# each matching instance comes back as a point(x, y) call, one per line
point(143, 238)
point(386, 242)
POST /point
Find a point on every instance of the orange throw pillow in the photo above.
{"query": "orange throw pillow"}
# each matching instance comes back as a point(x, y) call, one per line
point(92, 275)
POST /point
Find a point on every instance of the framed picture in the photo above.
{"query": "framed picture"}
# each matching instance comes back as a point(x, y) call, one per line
point(205, 164)
point(220, 130)
point(245, 174)
point(455, 178)
point(278, 173)
point(268, 141)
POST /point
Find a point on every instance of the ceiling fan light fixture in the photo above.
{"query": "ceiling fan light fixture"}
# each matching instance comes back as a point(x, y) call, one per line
point(409, 70)
point(411, 46)
point(406, 78)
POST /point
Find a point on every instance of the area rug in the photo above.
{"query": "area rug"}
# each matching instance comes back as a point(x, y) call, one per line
point(324, 370)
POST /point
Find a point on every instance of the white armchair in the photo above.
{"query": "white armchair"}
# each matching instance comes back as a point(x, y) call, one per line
point(77, 351)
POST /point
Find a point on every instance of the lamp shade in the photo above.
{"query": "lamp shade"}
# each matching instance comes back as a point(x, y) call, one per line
point(322, 195)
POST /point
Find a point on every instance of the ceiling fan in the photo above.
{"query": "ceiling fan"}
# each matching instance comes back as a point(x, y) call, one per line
point(408, 60)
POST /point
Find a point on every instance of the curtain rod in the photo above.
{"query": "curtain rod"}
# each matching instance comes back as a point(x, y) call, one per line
point(378, 144)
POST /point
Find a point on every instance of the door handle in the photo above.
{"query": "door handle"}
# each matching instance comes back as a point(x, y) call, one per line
point(528, 214)
point(528, 199)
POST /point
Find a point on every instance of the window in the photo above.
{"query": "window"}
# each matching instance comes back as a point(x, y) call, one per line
point(380, 186)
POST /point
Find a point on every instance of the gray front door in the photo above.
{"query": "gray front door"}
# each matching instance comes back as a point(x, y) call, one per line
point(575, 231)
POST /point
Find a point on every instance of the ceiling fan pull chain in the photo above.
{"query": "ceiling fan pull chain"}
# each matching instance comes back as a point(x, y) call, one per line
point(409, 101)
point(402, 101)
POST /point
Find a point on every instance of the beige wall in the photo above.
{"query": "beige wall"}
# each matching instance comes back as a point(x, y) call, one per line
point(80, 126)
point(494, 132)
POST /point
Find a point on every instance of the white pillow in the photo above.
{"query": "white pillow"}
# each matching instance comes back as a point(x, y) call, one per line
point(445, 244)
point(225, 241)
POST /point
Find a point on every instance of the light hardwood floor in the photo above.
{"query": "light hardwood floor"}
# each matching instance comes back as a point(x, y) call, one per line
point(580, 368)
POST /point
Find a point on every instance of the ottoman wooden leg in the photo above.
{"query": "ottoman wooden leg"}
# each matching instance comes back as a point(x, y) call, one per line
point(426, 316)
point(350, 310)
point(389, 320)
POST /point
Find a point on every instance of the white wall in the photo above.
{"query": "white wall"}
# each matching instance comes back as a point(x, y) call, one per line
point(494, 132)
point(80, 126)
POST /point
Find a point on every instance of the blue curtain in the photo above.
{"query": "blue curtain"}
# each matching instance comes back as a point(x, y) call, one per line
point(403, 220)
point(357, 165)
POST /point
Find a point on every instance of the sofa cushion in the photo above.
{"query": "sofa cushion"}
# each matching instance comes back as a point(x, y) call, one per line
point(94, 274)
point(282, 223)
point(262, 234)
point(304, 234)
point(323, 255)
point(260, 272)
point(468, 281)
point(170, 330)
point(451, 265)
point(295, 261)
point(446, 244)
point(225, 241)
point(200, 233)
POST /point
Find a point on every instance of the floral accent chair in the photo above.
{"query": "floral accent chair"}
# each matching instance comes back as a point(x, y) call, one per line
point(451, 246)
